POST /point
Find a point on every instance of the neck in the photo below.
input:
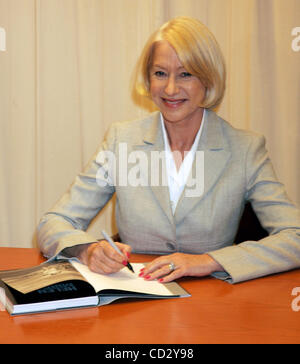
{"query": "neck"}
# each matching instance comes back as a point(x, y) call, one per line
point(182, 134)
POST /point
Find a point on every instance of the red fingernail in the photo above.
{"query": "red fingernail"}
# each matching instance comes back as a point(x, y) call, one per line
point(124, 262)
point(160, 280)
point(147, 276)
point(141, 274)
point(128, 255)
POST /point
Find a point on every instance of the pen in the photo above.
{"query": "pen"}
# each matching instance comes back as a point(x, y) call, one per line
point(113, 245)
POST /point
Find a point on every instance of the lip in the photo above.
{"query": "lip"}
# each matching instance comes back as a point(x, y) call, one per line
point(173, 103)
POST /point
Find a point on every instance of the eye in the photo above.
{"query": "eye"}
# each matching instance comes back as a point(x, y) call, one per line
point(185, 74)
point(160, 74)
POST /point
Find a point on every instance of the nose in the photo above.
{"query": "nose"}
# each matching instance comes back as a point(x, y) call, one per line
point(171, 86)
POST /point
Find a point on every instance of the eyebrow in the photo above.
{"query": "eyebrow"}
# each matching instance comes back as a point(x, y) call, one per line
point(160, 66)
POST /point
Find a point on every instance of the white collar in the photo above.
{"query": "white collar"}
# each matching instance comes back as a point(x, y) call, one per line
point(177, 180)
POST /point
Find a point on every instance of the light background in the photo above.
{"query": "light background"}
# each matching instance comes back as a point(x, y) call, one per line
point(66, 76)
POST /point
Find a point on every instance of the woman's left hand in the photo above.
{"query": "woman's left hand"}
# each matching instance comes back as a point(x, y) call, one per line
point(170, 267)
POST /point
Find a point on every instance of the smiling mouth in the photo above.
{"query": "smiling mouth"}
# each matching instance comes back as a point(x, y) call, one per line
point(173, 102)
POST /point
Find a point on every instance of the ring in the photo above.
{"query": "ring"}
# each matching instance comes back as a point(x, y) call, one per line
point(171, 266)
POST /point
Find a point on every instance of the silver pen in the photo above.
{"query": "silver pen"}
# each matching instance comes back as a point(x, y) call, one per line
point(114, 246)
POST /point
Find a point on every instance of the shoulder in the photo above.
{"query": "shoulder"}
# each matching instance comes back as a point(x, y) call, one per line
point(236, 138)
point(135, 128)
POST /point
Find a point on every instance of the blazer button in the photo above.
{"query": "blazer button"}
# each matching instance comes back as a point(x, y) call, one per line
point(170, 245)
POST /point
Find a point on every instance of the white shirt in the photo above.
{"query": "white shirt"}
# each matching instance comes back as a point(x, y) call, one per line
point(177, 180)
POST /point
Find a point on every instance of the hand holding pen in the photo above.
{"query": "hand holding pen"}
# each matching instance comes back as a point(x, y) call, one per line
point(102, 258)
point(114, 246)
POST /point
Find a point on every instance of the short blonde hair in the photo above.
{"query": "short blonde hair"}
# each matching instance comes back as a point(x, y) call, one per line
point(198, 52)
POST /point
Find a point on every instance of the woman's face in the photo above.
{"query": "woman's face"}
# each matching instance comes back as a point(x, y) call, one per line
point(176, 92)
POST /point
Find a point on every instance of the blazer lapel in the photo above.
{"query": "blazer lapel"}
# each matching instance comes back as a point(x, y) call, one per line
point(215, 153)
point(212, 149)
point(153, 145)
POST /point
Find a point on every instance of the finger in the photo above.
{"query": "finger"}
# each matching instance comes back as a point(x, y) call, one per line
point(156, 264)
point(158, 273)
point(125, 249)
point(175, 274)
point(159, 269)
point(114, 255)
point(111, 253)
point(101, 260)
point(104, 266)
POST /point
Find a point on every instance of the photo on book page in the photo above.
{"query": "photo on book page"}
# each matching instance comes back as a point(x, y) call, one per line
point(31, 279)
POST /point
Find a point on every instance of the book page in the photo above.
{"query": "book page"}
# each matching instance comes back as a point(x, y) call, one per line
point(33, 278)
point(123, 280)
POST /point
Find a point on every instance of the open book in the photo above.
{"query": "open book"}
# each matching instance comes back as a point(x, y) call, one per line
point(58, 285)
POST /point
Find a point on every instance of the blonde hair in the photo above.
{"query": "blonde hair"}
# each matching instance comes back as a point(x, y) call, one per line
point(198, 52)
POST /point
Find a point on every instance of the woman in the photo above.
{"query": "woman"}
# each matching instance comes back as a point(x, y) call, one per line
point(206, 171)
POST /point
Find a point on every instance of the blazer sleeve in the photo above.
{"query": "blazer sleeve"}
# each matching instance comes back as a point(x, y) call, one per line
point(66, 223)
point(278, 252)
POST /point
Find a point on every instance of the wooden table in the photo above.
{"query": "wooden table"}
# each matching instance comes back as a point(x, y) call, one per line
point(258, 311)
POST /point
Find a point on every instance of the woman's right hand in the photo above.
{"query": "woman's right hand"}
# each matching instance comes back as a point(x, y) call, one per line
point(101, 258)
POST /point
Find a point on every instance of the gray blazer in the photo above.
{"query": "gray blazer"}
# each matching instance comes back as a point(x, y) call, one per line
point(236, 169)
